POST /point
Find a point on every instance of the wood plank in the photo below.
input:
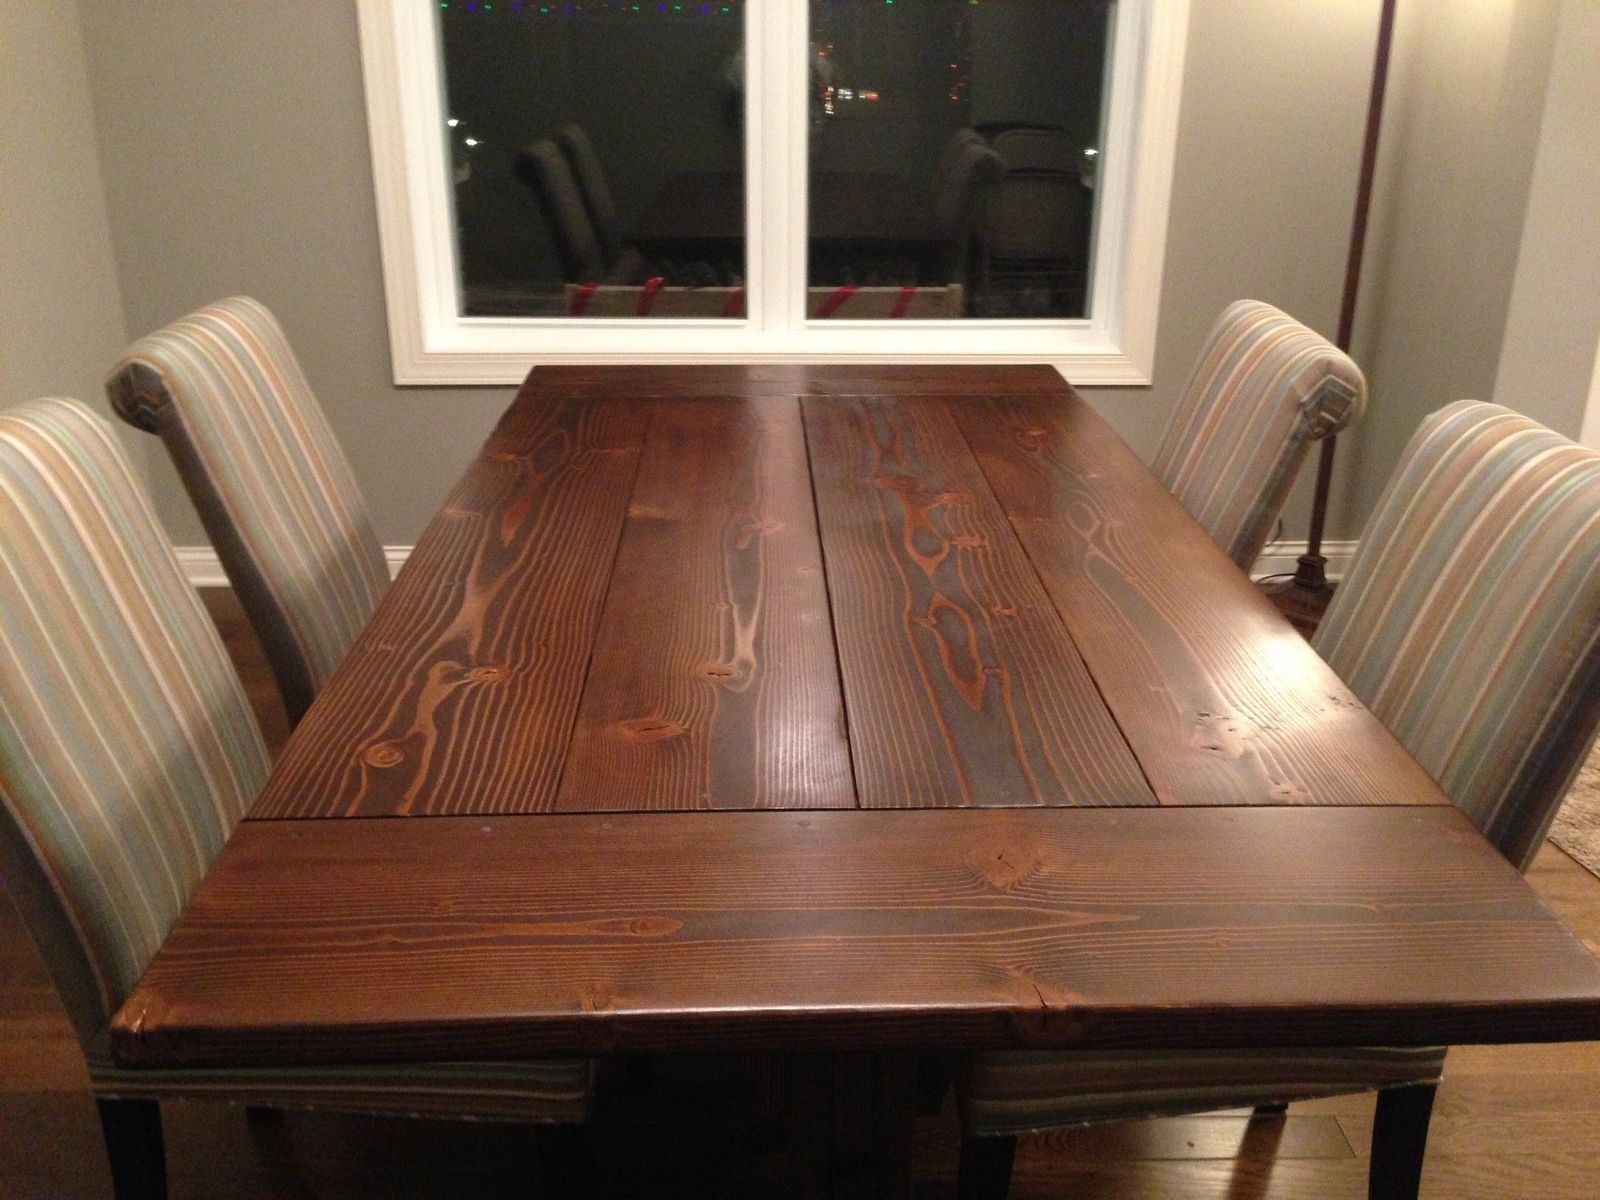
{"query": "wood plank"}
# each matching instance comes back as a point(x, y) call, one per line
point(1508, 1111)
point(500, 937)
point(1221, 700)
point(714, 683)
point(799, 379)
point(961, 684)
point(459, 696)
point(1526, 1103)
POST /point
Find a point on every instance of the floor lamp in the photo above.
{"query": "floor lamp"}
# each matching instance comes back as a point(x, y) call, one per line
point(1305, 595)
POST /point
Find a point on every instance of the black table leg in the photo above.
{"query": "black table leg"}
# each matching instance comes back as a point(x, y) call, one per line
point(132, 1130)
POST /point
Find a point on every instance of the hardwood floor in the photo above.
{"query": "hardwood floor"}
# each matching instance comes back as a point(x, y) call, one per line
point(1509, 1122)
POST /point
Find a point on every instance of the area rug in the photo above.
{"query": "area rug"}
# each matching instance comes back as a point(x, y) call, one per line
point(1577, 827)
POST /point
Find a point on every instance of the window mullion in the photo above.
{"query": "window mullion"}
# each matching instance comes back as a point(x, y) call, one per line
point(776, 75)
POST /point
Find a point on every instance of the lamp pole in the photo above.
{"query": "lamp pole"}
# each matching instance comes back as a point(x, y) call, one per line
point(1306, 595)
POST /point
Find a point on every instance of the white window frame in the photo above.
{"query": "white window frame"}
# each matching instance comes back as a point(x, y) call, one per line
point(431, 343)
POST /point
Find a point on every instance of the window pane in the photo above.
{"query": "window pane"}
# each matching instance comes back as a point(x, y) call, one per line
point(597, 153)
point(954, 147)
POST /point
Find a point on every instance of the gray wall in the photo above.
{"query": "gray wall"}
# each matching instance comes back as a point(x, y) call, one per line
point(236, 159)
point(1459, 142)
point(1547, 362)
point(60, 317)
point(1263, 193)
point(234, 147)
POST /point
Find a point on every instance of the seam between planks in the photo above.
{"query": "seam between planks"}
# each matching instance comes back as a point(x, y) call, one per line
point(600, 609)
point(801, 408)
point(1066, 629)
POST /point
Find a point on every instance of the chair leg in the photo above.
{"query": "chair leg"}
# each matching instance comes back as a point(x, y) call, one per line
point(985, 1170)
point(132, 1130)
point(1270, 1110)
point(1399, 1140)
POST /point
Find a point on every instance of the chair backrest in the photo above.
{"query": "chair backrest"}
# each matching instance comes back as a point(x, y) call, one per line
point(128, 751)
point(1469, 620)
point(973, 167)
point(946, 162)
point(544, 169)
point(1264, 388)
point(1037, 149)
point(595, 189)
point(1039, 217)
point(223, 390)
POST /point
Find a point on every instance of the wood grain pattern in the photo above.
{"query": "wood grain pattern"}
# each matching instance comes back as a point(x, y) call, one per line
point(962, 685)
point(714, 682)
point(799, 379)
point(851, 928)
point(1509, 1121)
point(460, 695)
point(571, 933)
point(1222, 701)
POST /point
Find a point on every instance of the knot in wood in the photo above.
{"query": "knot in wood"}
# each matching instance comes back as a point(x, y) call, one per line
point(650, 926)
point(1033, 438)
point(383, 754)
point(1221, 734)
point(651, 729)
point(1004, 865)
point(599, 996)
point(485, 674)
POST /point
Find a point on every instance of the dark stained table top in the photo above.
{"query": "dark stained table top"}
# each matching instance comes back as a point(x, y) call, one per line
point(1052, 771)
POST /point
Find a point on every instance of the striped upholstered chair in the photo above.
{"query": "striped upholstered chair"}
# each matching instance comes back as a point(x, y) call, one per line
point(1263, 389)
point(127, 755)
point(223, 390)
point(1469, 622)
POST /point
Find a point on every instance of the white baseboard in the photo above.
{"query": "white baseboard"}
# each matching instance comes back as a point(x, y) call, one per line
point(1279, 558)
point(201, 568)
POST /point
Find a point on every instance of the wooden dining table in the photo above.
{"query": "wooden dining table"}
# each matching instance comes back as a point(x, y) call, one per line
point(837, 709)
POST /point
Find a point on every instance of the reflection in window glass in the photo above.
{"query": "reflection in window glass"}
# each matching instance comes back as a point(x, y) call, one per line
point(954, 153)
point(597, 154)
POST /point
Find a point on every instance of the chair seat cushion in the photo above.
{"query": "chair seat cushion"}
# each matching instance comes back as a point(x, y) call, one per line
point(552, 1090)
point(1017, 1092)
